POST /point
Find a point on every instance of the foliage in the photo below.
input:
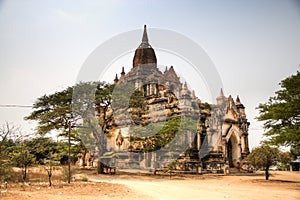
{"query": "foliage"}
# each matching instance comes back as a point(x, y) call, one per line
point(263, 157)
point(285, 159)
point(137, 105)
point(295, 151)
point(21, 157)
point(84, 179)
point(281, 114)
point(44, 149)
point(53, 112)
point(161, 134)
point(73, 110)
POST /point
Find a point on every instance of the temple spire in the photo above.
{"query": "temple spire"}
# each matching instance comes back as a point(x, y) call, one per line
point(123, 72)
point(221, 93)
point(221, 97)
point(116, 79)
point(145, 36)
point(145, 41)
point(144, 54)
point(237, 101)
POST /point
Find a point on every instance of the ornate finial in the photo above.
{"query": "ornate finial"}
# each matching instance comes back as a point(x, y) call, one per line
point(145, 36)
point(237, 101)
point(166, 69)
point(185, 85)
point(221, 98)
point(193, 94)
point(221, 93)
point(145, 42)
point(123, 71)
point(116, 79)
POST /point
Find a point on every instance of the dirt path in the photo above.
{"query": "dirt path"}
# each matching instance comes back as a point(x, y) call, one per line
point(283, 185)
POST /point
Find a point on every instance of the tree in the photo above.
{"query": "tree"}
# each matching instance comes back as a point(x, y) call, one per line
point(295, 151)
point(281, 114)
point(9, 134)
point(22, 158)
point(285, 159)
point(54, 112)
point(263, 157)
point(74, 108)
point(88, 98)
point(43, 148)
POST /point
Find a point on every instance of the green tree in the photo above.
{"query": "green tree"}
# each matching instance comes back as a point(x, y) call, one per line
point(263, 157)
point(73, 110)
point(88, 98)
point(295, 151)
point(285, 159)
point(281, 114)
point(43, 148)
point(21, 157)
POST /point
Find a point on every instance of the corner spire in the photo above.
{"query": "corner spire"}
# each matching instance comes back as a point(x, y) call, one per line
point(238, 101)
point(123, 71)
point(185, 85)
point(116, 79)
point(221, 98)
point(221, 93)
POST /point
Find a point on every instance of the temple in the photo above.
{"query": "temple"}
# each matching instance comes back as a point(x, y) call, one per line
point(220, 138)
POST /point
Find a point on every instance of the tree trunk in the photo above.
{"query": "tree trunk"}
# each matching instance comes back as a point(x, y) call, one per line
point(24, 173)
point(84, 163)
point(267, 173)
point(50, 175)
point(50, 182)
point(69, 153)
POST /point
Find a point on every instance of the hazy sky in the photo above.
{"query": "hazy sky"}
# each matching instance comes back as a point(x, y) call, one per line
point(253, 44)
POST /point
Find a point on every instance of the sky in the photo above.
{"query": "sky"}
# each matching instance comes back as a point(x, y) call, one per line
point(43, 44)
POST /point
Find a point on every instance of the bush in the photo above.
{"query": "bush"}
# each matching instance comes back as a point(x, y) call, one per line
point(85, 179)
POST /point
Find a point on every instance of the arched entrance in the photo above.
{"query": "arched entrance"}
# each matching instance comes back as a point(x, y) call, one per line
point(233, 151)
point(229, 153)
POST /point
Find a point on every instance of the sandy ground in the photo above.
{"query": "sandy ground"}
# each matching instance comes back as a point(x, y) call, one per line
point(282, 185)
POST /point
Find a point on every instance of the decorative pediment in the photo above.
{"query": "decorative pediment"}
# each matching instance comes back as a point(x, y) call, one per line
point(234, 132)
point(231, 114)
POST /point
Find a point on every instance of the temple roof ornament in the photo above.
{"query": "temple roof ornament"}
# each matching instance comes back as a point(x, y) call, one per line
point(237, 101)
point(116, 79)
point(221, 93)
point(123, 71)
point(145, 42)
point(144, 54)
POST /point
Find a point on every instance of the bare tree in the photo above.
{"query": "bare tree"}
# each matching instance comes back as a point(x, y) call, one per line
point(8, 134)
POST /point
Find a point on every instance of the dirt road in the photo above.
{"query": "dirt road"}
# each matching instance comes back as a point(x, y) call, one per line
point(283, 185)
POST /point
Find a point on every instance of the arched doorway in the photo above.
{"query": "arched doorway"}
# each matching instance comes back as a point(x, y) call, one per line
point(233, 151)
point(229, 153)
